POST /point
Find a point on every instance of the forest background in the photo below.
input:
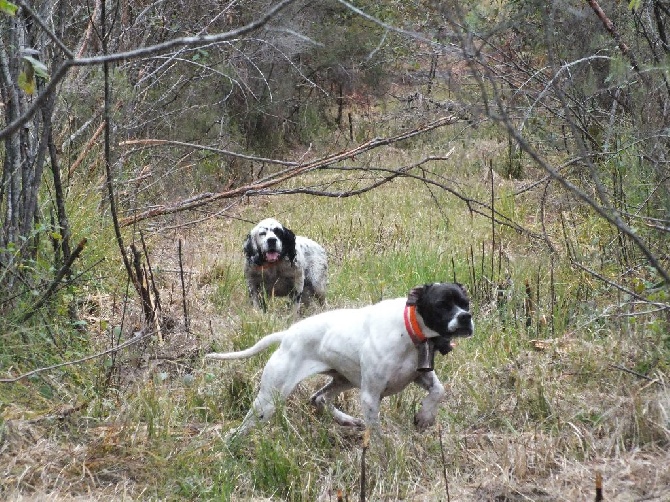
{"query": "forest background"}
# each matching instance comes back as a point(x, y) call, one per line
point(519, 147)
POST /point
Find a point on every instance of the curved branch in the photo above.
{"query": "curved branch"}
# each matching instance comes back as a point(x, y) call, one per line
point(137, 338)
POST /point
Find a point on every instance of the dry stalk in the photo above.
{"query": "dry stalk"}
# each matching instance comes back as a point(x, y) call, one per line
point(444, 462)
point(187, 324)
point(366, 444)
point(599, 487)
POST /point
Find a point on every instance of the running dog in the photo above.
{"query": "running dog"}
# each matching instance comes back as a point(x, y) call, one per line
point(374, 348)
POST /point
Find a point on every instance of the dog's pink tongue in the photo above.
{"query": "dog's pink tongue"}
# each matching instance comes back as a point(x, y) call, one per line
point(272, 256)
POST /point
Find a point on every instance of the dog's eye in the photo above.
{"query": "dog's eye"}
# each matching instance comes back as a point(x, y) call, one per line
point(262, 234)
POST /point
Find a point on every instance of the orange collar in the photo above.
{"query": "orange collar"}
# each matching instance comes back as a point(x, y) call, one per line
point(412, 325)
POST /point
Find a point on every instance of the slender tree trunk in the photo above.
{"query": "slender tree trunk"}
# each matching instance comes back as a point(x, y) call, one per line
point(12, 160)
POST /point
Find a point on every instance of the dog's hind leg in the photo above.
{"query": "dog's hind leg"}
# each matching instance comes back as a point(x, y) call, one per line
point(324, 396)
point(280, 376)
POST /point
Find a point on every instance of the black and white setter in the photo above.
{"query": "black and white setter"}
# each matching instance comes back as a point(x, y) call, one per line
point(280, 263)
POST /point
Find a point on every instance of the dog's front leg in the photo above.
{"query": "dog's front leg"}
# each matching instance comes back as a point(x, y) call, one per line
point(296, 294)
point(256, 297)
point(426, 415)
point(370, 401)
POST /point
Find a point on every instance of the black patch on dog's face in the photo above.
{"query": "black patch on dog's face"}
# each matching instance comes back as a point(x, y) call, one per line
point(288, 242)
point(445, 309)
point(251, 251)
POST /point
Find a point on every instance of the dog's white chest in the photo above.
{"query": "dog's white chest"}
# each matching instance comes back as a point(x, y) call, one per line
point(401, 376)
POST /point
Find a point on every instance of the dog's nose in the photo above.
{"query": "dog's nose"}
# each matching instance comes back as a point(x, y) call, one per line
point(272, 241)
point(465, 317)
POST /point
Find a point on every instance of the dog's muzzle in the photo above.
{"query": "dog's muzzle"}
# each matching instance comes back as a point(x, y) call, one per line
point(273, 252)
point(461, 325)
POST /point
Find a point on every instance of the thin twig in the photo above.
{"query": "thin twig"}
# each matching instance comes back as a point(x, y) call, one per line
point(137, 338)
point(57, 280)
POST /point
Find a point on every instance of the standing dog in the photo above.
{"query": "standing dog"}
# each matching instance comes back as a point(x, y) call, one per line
point(374, 348)
point(279, 263)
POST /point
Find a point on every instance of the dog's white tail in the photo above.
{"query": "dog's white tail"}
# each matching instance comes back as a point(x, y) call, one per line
point(261, 345)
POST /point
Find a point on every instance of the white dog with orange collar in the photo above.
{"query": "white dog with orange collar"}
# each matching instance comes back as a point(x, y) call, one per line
point(373, 348)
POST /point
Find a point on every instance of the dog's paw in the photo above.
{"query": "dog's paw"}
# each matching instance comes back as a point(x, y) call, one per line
point(345, 420)
point(352, 422)
point(423, 419)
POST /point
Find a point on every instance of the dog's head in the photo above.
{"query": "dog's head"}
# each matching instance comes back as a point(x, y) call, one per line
point(268, 242)
point(445, 309)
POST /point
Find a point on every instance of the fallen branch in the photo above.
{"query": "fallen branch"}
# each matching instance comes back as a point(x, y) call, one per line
point(634, 373)
point(275, 179)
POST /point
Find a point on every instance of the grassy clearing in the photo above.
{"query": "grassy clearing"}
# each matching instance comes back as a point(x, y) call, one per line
point(532, 413)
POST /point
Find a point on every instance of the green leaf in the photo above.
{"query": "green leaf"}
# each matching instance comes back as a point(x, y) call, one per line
point(27, 83)
point(46, 391)
point(634, 5)
point(38, 66)
point(8, 7)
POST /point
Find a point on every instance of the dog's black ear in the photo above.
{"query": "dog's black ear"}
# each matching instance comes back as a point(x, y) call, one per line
point(288, 243)
point(415, 295)
point(463, 288)
point(248, 246)
point(251, 252)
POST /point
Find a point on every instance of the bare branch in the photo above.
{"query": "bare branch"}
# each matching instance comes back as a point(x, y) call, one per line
point(139, 336)
point(277, 178)
point(61, 71)
point(149, 143)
